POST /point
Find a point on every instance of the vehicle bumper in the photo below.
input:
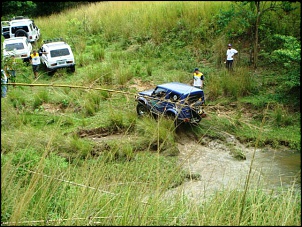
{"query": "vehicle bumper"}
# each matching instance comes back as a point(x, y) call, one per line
point(60, 67)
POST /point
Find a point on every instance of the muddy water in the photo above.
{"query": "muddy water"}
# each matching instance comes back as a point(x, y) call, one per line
point(281, 167)
point(265, 168)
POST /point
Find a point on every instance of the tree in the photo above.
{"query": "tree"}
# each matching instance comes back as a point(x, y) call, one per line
point(259, 8)
point(288, 55)
point(35, 8)
point(17, 8)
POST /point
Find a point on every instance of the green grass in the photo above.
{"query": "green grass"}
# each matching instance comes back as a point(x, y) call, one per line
point(61, 163)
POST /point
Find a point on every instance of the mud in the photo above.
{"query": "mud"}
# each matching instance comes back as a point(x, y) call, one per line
point(216, 168)
point(219, 170)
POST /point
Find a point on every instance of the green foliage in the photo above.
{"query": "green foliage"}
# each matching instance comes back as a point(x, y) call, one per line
point(128, 168)
point(158, 134)
point(236, 84)
point(91, 103)
point(98, 53)
point(222, 19)
point(289, 55)
point(16, 8)
point(39, 98)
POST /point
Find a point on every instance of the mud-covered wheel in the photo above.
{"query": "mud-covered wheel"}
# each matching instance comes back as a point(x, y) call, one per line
point(72, 69)
point(174, 118)
point(142, 109)
point(20, 33)
point(51, 72)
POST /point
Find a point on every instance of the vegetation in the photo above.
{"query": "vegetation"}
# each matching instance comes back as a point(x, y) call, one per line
point(56, 166)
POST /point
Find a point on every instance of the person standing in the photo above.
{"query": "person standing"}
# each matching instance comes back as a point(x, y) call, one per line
point(35, 61)
point(10, 68)
point(198, 78)
point(3, 84)
point(230, 53)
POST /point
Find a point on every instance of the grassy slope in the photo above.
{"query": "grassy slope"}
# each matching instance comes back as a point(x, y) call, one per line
point(113, 50)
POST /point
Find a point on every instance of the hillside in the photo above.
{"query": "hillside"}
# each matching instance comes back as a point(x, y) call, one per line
point(74, 151)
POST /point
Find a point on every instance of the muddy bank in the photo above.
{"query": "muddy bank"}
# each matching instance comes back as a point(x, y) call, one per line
point(216, 168)
point(269, 169)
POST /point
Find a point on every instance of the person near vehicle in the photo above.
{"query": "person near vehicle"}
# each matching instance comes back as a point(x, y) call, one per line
point(198, 78)
point(3, 84)
point(10, 68)
point(35, 61)
point(230, 53)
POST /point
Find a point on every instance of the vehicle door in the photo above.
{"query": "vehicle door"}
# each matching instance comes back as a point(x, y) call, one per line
point(44, 57)
point(158, 101)
point(36, 31)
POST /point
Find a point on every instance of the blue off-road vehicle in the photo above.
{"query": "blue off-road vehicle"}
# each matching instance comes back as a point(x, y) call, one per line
point(181, 102)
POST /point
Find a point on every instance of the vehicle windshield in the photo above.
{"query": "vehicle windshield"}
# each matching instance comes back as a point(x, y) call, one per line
point(13, 46)
point(59, 52)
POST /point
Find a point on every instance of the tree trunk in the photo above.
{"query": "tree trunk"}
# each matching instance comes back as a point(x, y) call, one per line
point(256, 34)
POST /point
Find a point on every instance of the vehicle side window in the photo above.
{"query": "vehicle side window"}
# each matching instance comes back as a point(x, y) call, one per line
point(159, 92)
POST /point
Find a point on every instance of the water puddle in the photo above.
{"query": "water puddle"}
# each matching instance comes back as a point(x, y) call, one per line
point(280, 168)
point(270, 170)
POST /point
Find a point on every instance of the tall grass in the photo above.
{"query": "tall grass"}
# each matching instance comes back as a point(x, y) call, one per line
point(132, 19)
point(75, 156)
point(53, 191)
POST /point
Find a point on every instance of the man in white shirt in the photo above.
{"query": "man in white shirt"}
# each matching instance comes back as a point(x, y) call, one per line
point(197, 78)
point(230, 56)
point(35, 61)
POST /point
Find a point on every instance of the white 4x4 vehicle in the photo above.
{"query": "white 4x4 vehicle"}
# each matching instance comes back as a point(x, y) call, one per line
point(18, 47)
point(5, 25)
point(21, 26)
point(59, 55)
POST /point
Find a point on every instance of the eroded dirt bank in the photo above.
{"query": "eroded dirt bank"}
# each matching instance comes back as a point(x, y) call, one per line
point(217, 169)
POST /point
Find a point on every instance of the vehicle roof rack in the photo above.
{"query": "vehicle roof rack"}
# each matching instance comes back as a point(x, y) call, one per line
point(53, 40)
point(19, 17)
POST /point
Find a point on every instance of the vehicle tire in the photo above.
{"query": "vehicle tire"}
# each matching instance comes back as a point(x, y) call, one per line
point(51, 72)
point(72, 69)
point(142, 109)
point(6, 35)
point(20, 33)
point(174, 119)
point(26, 61)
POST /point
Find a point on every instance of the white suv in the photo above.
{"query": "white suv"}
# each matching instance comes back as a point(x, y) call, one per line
point(5, 29)
point(21, 26)
point(59, 55)
point(18, 47)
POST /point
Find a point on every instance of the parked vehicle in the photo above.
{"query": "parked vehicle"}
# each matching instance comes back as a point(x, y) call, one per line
point(59, 56)
point(21, 26)
point(181, 102)
point(18, 47)
point(5, 25)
